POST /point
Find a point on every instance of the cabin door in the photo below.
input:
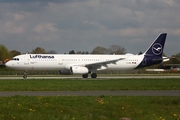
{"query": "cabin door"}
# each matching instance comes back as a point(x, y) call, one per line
point(60, 61)
point(26, 60)
point(144, 61)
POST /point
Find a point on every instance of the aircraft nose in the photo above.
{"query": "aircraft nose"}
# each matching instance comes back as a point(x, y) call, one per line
point(8, 64)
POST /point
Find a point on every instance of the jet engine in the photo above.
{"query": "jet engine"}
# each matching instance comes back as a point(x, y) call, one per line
point(79, 70)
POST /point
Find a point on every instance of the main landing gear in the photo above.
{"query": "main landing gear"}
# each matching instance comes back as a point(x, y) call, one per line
point(93, 75)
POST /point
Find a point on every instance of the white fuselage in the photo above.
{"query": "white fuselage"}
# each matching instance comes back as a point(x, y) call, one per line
point(64, 61)
point(85, 64)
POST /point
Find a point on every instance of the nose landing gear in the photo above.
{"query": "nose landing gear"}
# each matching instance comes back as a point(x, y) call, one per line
point(25, 74)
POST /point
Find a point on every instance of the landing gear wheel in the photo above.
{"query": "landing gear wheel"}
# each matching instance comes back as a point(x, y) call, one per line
point(85, 75)
point(25, 74)
point(93, 75)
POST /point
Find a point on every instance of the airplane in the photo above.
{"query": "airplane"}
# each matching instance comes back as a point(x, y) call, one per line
point(89, 64)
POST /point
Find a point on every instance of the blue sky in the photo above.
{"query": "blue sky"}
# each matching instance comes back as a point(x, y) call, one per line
point(81, 25)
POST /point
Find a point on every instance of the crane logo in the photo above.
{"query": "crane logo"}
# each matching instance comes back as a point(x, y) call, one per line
point(157, 49)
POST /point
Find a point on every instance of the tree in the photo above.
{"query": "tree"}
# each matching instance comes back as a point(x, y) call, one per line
point(78, 52)
point(140, 53)
point(14, 53)
point(99, 50)
point(39, 50)
point(52, 52)
point(175, 59)
point(4, 53)
point(113, 49)
point(72, 52)
point(86, 52)
point(116, 49)
point(82, 52)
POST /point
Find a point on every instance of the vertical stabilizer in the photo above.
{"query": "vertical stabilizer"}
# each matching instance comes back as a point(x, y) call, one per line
point(157, 47)
point(153, 55)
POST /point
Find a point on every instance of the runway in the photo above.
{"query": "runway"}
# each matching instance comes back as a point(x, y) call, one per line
point(93, 93)
point(79, 77)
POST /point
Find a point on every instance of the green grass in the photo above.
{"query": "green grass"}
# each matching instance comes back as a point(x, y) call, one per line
point(93, 85)
point(89, 108)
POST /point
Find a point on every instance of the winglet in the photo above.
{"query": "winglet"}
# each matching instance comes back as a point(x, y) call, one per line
point(157, 47)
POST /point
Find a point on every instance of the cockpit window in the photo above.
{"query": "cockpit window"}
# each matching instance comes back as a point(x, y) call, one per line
point(16, 59)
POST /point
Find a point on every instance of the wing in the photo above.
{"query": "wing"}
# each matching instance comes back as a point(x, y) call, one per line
point(102, 65)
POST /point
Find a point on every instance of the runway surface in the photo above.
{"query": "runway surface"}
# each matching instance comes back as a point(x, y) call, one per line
point(93, 93)
point(79, 77)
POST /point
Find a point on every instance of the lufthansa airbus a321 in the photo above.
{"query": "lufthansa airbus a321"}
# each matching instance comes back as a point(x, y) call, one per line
point(89, 64)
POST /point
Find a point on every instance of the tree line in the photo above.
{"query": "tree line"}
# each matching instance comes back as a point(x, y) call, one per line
point(113, 49)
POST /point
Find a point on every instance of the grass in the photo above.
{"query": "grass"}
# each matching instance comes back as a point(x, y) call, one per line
point(89, 108)
point(86, 85)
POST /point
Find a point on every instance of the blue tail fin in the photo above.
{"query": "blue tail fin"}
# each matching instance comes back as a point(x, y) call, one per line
point(153, 55)
point(157, 47)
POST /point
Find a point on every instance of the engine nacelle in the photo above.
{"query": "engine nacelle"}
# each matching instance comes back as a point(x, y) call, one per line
point(64, 72)
point(78, 70)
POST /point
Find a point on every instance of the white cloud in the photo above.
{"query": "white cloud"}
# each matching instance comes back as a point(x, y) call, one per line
point(18, 16)
point(45, 28)
point(84, 24)
point(11, 28)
